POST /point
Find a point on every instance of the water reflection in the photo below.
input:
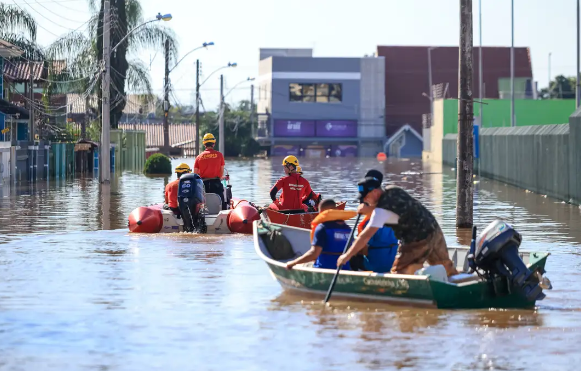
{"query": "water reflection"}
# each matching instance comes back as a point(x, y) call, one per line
point(78, 291)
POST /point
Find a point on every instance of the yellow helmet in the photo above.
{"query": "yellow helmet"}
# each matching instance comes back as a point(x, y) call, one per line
point(183, 168)
point(290, 160)
point(299, 170)
point(209, 138)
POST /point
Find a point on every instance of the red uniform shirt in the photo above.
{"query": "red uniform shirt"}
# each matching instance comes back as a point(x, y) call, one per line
point(171, 193)
point(209, 163)
point(294, 189)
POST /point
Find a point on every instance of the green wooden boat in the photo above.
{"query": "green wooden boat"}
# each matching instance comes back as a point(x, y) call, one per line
point(465, 291)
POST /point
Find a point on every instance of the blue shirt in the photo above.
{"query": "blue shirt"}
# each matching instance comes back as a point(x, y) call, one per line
point(331, 237)
point(382, 251)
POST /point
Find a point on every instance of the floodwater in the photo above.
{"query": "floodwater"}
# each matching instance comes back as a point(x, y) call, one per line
point(77, 292)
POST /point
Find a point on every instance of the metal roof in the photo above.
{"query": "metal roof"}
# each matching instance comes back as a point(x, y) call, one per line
point(20, 71)
point(8, 50)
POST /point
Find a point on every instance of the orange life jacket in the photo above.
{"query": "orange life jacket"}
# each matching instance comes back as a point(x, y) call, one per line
point(362, 224)
point(330, 215)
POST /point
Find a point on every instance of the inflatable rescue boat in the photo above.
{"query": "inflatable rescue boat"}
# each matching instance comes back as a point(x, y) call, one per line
point(200, 212)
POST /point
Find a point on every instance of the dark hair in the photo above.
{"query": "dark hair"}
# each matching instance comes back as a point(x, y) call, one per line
point(375, 174)
point(327, 203)
point(209, 144)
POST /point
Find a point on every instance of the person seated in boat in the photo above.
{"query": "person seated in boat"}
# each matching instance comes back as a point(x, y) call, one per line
point(419, 234)
point(329, 235)
point(171, 190)
point(379, 254)
point(209, 166)
point(315, 198)
point(296, 190)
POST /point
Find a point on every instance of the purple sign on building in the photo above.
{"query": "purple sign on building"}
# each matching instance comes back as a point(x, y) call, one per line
point(330, 128)
point(294, 128)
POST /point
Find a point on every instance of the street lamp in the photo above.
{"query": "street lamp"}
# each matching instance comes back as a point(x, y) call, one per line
point(431, 96)
point(221, 124)
point(241, 82)
point(105, 150)
point(204, 45)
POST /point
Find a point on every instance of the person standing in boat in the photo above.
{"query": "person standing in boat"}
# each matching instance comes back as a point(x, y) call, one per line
point(421, 238)
point(296, 190)
point(171, 190)
point(329, 235)
point(209, 166)
point(379, 254)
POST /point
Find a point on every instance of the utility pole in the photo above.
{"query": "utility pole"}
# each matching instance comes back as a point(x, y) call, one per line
point(86, 121)
point(221, 136)
point(430, 91)
point(105, 151)
point(465, 149)
point(512, 118)
point(31, 98)
point(549, 85)
point(197, 107)
point(578, 87)
point(480, 92)
point(252, 111)
point(166, 102)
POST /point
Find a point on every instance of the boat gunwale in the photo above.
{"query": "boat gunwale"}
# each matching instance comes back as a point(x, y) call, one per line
point(268, 260)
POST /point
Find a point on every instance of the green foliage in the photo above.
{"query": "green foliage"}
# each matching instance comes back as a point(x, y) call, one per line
point(237, 129)
point(157, 164)
point(560, 88)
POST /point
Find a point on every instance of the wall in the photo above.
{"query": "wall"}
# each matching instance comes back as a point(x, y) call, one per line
point(287, 70)
point(372, 102)
point(497, 112)
point(406, 77)
point(544, 159)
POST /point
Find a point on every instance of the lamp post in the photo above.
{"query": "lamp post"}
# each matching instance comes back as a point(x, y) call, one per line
point(512, 118)
point(430, 93)
point(221, 117)
point(166, 91)
point(241, 82)
point(549, 83)
point(105, 150)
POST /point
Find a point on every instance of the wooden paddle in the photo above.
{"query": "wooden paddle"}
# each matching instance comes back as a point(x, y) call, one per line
point(339, 268)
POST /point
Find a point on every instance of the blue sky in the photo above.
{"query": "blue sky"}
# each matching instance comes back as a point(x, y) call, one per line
point(331, 28)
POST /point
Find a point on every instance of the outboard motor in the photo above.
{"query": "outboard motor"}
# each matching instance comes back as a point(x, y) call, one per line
point(496, 254)
point(191, 201)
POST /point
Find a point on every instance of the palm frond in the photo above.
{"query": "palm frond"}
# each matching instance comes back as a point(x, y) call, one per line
point(153, 36)
point(69, 46)
point(138, 77)
point(31, 50)
point(15, 19)
point(134, 13)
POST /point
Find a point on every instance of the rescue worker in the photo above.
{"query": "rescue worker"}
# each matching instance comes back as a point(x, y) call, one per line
point(209, 166)
point(171, 189)
point(299, 171)
point(313, 203)
point(296, 190)
point(420, 236)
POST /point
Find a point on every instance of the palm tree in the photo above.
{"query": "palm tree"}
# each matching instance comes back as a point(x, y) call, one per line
point(84, 51)
point(18, 27)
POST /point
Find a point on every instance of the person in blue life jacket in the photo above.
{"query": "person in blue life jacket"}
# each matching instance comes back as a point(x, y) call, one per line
point(329, 237)
point(381, 248)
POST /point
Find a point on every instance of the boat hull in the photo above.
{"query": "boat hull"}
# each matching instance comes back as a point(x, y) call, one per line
point(399, 289)
point(154, 219)
point(302, 220)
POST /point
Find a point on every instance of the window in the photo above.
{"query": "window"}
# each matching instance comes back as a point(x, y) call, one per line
point(319, 93)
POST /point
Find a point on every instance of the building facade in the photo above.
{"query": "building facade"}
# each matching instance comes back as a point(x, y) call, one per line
point(319, 107)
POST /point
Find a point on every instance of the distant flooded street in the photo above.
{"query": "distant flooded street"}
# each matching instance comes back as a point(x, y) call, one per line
point(77, 291)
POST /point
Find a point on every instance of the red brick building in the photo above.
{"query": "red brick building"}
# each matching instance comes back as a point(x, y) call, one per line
point(406, 78)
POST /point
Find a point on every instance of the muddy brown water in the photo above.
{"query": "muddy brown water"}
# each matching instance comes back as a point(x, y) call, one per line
point(77, 291)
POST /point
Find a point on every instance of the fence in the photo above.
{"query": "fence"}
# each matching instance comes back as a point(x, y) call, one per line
point(543, 159)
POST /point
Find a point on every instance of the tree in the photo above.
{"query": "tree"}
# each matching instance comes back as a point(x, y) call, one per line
point(84, 51)
point(18, 27)
point(237, 129)
point(562, 88)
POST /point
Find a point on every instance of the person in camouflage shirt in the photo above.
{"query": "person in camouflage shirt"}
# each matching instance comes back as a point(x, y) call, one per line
point(419, 234)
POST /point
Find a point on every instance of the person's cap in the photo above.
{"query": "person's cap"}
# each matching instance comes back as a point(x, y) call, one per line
point(367, 185)
point(375, 174)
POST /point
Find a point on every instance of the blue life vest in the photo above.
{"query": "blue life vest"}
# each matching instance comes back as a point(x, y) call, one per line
point(332, 237)
point(382, 251)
